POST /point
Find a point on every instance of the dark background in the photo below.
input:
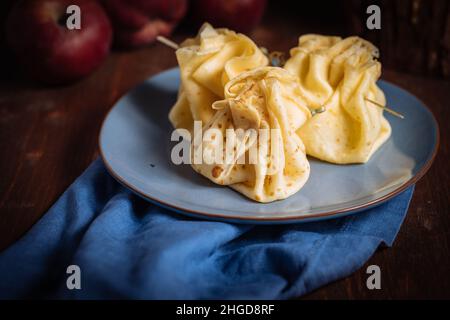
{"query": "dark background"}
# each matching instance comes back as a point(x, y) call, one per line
point(48, 134)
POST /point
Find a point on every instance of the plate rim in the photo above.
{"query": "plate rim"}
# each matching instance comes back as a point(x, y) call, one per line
point(240, 219)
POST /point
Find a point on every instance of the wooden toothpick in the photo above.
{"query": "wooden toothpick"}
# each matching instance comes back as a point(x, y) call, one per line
point(167, 42)
point(394, 113)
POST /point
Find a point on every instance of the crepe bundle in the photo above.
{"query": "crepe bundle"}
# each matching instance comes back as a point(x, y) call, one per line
point(207, 62)
point(340, 75)
point(264, 164)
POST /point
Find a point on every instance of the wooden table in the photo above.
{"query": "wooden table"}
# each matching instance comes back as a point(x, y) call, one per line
point(48, 136)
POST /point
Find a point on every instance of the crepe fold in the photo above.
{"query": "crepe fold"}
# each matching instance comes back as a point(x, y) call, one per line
point(207, 62)
point(249, 116)
point(255, 126)
point(340, 75)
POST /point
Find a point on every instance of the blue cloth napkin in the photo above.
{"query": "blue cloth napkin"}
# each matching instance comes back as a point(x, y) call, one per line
point(128, 248)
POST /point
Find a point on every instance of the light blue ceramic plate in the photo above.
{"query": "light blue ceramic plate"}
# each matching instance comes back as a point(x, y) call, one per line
point(135, 146)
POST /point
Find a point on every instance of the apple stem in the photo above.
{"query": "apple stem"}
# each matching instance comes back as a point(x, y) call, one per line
point(167, 42)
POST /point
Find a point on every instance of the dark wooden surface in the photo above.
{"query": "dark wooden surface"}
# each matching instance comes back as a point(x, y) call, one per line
point(48, 136)
point(419, 30)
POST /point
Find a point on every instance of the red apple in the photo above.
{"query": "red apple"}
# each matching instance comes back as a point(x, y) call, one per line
point(139, 22)
point(238, 15)
point(47, 49)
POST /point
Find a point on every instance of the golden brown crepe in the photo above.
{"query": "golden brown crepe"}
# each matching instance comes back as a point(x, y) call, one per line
point(274, 164)
point(339, 75)
point(207, 62)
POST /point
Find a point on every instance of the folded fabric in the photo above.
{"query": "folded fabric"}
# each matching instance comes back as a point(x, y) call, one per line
point(128, 248)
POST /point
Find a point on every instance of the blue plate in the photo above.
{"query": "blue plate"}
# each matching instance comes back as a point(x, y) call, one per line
point(135, 146)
